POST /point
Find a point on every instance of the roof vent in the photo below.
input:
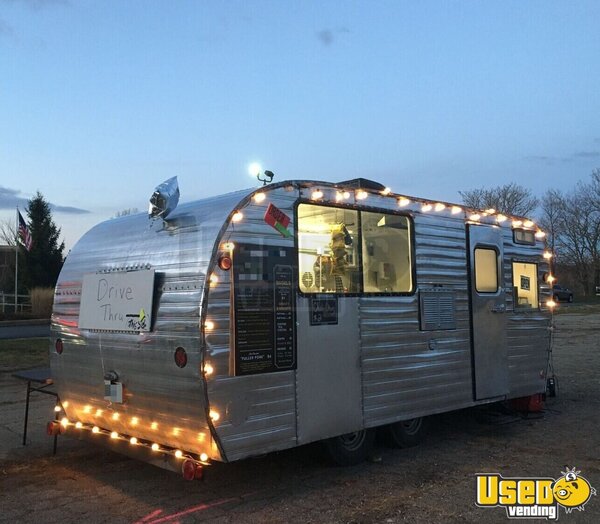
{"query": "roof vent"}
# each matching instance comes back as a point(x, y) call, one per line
point(362, 183)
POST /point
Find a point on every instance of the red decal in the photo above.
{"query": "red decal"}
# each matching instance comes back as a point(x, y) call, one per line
point(274, 215)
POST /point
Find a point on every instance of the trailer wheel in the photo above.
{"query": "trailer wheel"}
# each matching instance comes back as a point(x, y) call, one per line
point(350, 449)
point(407, 433)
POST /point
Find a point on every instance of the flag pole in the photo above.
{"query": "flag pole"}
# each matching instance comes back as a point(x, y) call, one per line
point(16, 259)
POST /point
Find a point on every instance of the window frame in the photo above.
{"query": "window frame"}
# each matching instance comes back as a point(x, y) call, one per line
point(523, 242)
point(515, 293)
point(495, 249)
point(358, 209)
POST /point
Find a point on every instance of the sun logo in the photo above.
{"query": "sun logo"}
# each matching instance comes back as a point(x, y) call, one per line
point(572, 490)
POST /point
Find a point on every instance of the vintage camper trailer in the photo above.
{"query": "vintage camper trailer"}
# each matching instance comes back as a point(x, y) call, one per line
point(302, 311)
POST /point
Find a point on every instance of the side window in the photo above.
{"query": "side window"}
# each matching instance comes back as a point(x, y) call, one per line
point(328, 259)
point(525, 285)
point(386, 253)
point(486, 270)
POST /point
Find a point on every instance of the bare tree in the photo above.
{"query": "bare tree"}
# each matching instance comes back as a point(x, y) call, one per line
point(511, 199)
point(572, 222)
point(8, 232)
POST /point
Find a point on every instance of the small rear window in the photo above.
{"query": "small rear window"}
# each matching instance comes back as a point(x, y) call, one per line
point(524, 236)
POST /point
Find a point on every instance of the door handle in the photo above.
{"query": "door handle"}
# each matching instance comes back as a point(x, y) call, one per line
point(500, 308)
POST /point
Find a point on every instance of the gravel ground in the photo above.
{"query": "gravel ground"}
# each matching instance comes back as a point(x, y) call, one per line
point(434, 482)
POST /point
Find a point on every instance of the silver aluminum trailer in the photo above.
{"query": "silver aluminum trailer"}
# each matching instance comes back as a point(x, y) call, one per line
point(302, 311)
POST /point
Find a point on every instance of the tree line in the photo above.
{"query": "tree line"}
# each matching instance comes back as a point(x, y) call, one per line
point(570, 220)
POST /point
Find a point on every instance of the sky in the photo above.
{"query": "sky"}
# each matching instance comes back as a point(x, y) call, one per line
point(102, 101)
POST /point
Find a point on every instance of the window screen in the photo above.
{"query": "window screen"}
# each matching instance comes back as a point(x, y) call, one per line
point(486, 270)
point(386, 253)
point(328, 249)
point(525, 285)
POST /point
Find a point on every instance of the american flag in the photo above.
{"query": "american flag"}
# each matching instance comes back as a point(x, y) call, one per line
point(24, 234)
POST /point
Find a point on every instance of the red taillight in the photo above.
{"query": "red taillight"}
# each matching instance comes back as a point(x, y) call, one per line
point(191, 470)
point(225, 262)
point(58, 346)
point(180, 357)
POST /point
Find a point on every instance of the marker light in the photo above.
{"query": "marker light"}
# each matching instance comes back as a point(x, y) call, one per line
point(403, 202)
point(214, 279)
point(208, 369)
point(180, 357)
point(209, 325)
point(259, 197)
point(237, 216)
point(225, 262)
point(456, 210)
point(228, 246)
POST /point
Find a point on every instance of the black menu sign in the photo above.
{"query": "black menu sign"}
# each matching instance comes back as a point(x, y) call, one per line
point(264, 308)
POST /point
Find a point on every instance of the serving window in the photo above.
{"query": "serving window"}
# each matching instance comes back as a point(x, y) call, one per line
point(345, 251)
point(525, 285)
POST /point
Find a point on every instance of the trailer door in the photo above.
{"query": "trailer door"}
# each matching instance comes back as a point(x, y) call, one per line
point(328, 384)
point(488, 308)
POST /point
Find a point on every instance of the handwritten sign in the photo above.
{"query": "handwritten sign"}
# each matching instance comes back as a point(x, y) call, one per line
point(117, 301)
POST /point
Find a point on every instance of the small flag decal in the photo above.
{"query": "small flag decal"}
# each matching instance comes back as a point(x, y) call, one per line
point(278, 219)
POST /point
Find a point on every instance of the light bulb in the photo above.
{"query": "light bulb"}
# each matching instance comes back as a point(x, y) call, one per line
point(426, 207)
point(403, 202)
point(259, 197)
point(440, 207)
point(456, 210)
point(114, 434)
point(203, 457)
point(316, 195)
point(133, 441)
point(209, 325)
point(386, 191)
point(237, 216)
point(361, 195)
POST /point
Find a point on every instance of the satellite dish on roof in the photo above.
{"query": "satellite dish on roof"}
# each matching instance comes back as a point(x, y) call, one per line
point(164, 199)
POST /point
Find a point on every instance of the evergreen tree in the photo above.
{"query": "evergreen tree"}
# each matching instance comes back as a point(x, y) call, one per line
point(44, 261)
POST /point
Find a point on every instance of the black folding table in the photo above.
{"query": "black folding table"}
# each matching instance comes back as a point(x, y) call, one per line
point(38, 380)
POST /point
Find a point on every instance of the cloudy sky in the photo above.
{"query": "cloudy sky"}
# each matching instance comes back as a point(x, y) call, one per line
point(101, 101)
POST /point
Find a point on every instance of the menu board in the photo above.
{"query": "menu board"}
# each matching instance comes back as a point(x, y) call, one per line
point(264, 309)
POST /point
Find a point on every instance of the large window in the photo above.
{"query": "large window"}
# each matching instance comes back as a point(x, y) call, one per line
point(525, 285)
point(347, 251)
point(386, 253)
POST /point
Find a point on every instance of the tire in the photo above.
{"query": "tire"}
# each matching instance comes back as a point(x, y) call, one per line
point(407, 433)
point(350, 449)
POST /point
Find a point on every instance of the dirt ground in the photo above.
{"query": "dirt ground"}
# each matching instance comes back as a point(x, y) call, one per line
point(434, 482)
